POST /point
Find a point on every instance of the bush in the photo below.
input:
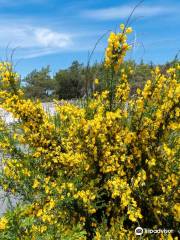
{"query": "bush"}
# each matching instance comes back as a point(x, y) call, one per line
point(69, 83)
point(96, 172)
point(39, 84)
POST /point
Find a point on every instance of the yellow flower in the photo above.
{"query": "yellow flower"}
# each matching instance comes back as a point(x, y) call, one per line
point(98, 236)
point(36, 183)
point(138, 91)
point(93, 224)
point(169, 237)
point(96, 81)
point(3, 223)
point(122, 26)
point(117, 48)
point(129, 30)
point(151, 162)
point(176, 211)
point(52, 204)
point(43, 229)
point(39, 213)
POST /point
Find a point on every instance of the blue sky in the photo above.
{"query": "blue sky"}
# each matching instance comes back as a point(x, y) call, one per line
point(56, 32)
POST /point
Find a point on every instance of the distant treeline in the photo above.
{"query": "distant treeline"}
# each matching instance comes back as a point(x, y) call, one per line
point(78, 80)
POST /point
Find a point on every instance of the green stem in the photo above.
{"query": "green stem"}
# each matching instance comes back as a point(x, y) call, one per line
point(111, 88)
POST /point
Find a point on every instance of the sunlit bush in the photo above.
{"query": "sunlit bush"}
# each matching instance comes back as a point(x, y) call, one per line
point(93, 172)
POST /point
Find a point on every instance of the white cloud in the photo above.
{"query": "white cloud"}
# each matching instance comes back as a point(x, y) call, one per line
point(124, 11)
point(33, 41)
point(48, 38)
point(33, 53)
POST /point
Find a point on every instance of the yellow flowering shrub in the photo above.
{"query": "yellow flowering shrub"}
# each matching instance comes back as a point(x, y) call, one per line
point(94, 172)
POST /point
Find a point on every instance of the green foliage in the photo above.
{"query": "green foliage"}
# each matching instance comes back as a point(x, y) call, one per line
point(39, 84)
point(69, 83)
point(77, 80)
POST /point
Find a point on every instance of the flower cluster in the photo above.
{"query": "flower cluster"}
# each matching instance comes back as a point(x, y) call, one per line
point(91, 172)
point(117, 48)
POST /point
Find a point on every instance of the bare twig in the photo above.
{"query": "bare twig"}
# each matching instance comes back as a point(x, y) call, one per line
point(132, 12)
point(89, 60)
